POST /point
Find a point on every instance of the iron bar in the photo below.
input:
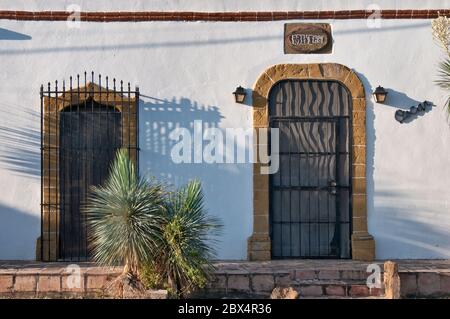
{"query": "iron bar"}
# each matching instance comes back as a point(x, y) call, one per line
point(337, 196)
point(128, 120)
point(42, 172)
point(56, 171)
point(86, 150)
point(136, 129)
point(49, 178)
point(318, 155)
point(69, 163)
point(121, 114)
point(76, 150)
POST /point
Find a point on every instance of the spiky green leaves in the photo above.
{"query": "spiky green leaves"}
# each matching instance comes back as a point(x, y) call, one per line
point(441, 33)
point(188, 241)
point(444, 79)
point(164, 237)
point(124, 216)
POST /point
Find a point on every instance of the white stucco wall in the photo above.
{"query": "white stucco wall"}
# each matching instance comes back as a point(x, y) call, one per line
point(220, 5)
point(197, 65)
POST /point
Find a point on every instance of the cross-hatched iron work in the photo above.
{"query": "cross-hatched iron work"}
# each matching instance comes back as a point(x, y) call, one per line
point(310, 195)
point(82, 127)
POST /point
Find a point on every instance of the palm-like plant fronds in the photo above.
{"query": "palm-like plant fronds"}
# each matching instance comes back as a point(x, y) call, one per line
point(124, 217)
point(187, 246)
point(444, 79)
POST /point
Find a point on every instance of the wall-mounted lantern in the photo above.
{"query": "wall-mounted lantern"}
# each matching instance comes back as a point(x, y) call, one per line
point(239, 94)
point(380, 94)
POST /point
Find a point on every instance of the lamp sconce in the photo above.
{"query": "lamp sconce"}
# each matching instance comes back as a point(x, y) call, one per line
point(401, 116)
point(239, 95)
point(380, 94)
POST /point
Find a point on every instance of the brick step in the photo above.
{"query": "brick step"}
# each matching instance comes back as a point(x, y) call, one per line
point(258, 284)
point(347, 297)
point(330, 290)
point(426, 278)
point(335, 288)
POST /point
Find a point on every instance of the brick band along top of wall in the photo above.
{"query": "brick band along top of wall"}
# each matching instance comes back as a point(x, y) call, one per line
point(222, 16)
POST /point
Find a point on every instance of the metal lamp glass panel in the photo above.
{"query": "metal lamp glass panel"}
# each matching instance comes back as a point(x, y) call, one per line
point(239, 94)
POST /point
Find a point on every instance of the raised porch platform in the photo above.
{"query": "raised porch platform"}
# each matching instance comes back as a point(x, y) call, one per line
point(312, 278)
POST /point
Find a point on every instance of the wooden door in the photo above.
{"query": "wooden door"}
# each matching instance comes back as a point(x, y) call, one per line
point(90, 135)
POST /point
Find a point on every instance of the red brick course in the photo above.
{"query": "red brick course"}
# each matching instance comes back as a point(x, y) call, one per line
point(50, 283)
point(263, 283)
point(311, 291)
point(239, 282)
point(408, 284)
point(96, 282)
point(335, 290)
point(445, 282)
point(346, 279)
point(305, 274)
point(359, 291)
point(26, 283)
point(428, 284)
point(6, 283)
point(329, 274)
point(221, 16)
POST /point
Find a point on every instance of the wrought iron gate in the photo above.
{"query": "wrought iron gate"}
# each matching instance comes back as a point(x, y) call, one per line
point(82, 127)
point(310, 195)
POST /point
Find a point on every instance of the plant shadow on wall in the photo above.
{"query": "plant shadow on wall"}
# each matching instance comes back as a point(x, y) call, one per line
point(407, 224)
point(19, 144)
point(227, 187)
point(19, 155)
point(158, 118)
point(399, 230)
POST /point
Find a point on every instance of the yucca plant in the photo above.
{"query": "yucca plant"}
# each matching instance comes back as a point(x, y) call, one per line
point(124, 217)
point(444, 80)
point(188, 237)
point(441, 33)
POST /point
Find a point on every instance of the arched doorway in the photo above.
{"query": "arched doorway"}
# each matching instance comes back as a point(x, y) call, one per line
point(362, 244)
point(310, 194)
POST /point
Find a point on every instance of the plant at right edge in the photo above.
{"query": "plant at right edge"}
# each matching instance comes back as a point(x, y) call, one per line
point(184, 260)
point(441, 33)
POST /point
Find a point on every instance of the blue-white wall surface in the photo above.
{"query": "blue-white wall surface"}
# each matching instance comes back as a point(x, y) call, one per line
point(187, 71)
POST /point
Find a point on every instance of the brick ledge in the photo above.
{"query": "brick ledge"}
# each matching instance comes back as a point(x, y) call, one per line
point(128, 16)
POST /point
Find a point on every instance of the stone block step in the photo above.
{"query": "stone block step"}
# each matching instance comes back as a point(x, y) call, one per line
point(262, 285)
point(334, 288)
point(337, 279)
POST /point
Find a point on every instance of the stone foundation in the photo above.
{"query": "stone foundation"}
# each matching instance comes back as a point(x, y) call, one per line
point(58, 281)
point(311, 278)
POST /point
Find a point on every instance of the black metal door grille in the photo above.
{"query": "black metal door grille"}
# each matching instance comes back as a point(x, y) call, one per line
point(310, 195)
point(82, 127)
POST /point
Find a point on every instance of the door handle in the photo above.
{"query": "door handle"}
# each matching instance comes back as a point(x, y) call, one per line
point(332, 187)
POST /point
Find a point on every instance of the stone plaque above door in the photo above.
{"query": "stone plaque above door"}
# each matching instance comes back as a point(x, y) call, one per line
point(304, 38)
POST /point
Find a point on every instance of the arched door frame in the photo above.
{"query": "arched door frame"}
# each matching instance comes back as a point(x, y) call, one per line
point(363, 244)
point(54, 101)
